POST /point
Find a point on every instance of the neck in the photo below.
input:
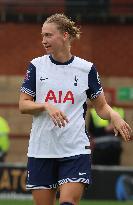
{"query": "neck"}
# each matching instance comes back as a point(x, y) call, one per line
point(62, 56)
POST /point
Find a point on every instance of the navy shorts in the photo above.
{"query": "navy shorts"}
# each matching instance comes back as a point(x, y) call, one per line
point(49, 173)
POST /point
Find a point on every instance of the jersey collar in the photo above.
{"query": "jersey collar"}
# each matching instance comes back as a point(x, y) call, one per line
point(59, 63)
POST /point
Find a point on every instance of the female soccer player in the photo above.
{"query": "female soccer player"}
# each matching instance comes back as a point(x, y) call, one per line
point(55, 91)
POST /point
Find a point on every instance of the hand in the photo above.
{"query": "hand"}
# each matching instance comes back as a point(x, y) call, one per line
point(121, 127)
point(58, 117)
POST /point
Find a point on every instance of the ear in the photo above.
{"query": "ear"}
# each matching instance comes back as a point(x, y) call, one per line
point(66, 35)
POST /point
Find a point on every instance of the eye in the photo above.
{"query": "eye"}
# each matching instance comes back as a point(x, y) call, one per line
point(48, 34)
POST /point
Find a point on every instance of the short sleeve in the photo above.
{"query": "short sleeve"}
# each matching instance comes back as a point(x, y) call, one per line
point(94, 84)
point(29, 83)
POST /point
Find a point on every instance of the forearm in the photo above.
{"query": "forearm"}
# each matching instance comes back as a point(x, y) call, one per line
point(31, 107)
point(105, 112)
point(102, 108)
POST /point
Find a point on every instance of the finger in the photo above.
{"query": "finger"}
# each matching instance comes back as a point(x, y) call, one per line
point(126, 129)
point(122, 134)
point(57, 119)
point(125, 133)
point(129, 128)
point(64, 117)
point(116, 132)
point(54, 121)
point(61, 120)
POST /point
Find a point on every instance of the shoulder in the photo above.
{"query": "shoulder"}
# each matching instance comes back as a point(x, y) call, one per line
point(39, 60)
point(83, 64)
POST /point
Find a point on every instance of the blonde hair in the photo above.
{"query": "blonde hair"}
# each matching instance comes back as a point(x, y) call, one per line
point(65, 24)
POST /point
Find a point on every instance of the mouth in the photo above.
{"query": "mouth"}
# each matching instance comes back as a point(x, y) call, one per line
point(47, 47)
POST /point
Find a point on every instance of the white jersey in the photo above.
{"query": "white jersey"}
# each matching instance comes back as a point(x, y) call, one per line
point(66, 86)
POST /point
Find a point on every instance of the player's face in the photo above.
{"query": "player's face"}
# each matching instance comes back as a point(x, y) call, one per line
point(53, 39)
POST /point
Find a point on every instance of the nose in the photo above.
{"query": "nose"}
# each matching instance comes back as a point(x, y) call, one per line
point(44, 42)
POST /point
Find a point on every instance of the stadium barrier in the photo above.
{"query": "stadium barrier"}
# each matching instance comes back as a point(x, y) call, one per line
point(108, 182)
point(12, 181)
point(111, 183)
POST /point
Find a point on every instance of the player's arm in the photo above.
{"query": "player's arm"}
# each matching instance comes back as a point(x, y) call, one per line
point(28, 106)
point(96, 95)
point(106, 112)
point(102, 108)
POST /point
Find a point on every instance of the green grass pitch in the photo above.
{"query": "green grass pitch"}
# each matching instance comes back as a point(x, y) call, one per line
point(87, 202)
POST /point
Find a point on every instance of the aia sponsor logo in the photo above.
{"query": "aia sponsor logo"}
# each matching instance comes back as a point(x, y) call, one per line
point(60, 97)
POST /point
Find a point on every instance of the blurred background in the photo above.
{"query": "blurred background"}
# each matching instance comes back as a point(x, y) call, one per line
point(106, 40)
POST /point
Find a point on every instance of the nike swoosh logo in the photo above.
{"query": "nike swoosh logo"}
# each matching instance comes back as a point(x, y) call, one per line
point(43, 78)
point(81, 173)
